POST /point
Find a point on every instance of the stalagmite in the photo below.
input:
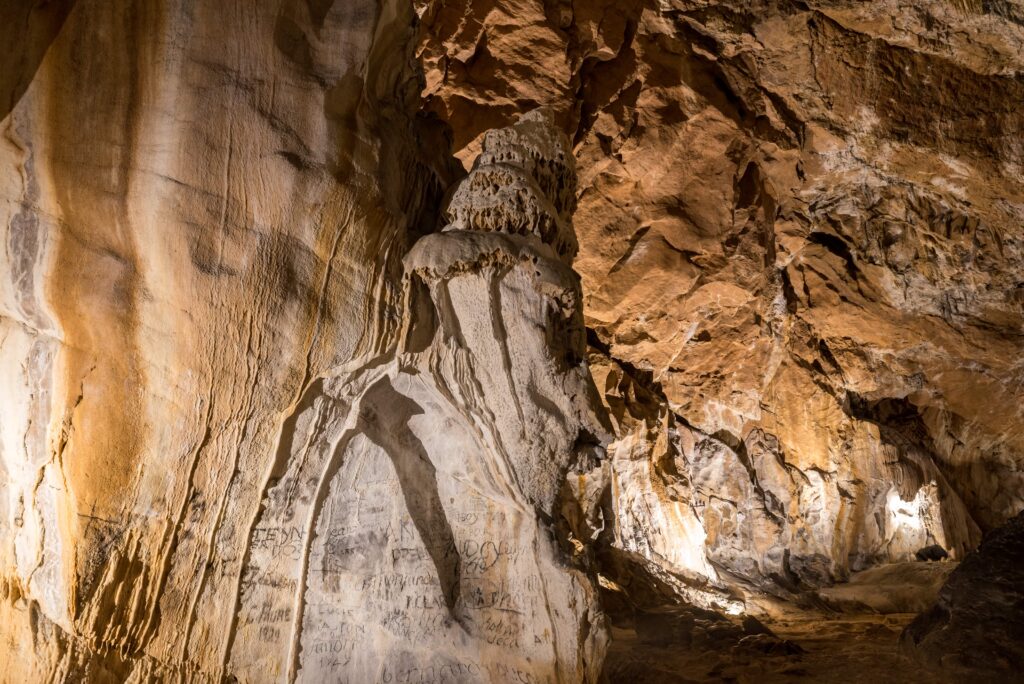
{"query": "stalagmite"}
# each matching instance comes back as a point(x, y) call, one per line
point(410, 534)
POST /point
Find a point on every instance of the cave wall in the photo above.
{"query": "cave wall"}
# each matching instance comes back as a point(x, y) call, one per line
point(799, 246)
point(205, 207)
point(799, 228)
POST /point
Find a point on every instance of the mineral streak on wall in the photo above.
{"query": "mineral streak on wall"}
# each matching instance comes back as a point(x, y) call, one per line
point(244, 439)
point(206, 206)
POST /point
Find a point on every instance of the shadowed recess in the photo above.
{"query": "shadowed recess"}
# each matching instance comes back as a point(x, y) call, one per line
point(29, 29)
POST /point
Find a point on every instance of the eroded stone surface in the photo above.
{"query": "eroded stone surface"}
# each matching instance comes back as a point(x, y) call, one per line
point(799, 230)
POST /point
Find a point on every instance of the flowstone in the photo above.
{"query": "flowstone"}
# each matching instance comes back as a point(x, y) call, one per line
point(414, 540)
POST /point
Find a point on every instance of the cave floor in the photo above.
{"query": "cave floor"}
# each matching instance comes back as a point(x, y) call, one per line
point(848, 632)
point(848, 648)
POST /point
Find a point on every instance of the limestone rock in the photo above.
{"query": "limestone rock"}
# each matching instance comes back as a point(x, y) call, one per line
point(800, 233)
point(976, 627)
point(909, 587)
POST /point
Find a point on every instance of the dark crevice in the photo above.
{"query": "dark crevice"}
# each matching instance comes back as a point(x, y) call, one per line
point(423, 317)
point(792, 300)
point(837, 246)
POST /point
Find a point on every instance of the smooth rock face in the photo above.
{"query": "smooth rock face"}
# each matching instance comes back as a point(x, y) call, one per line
point(206, 206)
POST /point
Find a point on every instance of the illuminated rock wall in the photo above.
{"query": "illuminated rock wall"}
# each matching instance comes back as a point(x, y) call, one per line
point(285, 400)
point(800, 245)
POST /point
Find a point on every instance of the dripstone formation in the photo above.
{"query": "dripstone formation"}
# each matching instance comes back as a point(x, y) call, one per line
point(409, 535)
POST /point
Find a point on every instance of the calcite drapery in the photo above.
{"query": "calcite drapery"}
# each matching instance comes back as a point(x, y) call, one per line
point(437, 470)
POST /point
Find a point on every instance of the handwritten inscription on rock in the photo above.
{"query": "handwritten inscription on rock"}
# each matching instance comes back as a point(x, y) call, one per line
point(402, 541)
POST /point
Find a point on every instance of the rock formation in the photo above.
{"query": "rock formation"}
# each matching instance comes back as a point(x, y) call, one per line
point(398, 516)
point(206, 206)
point(800, 244)
point(975, 631)
point(407, 533)
point(300, 384)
